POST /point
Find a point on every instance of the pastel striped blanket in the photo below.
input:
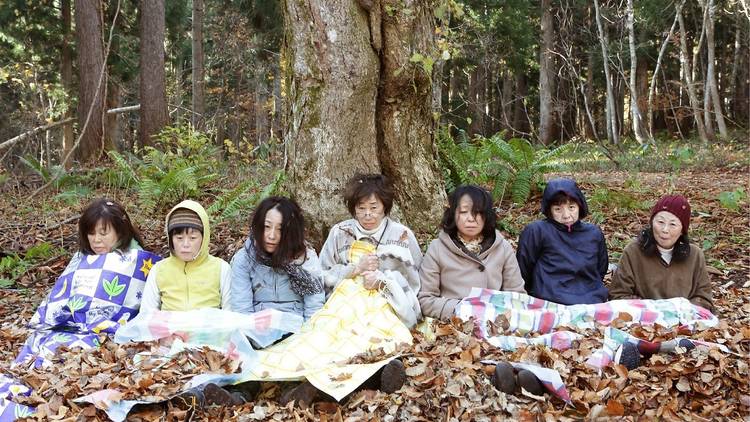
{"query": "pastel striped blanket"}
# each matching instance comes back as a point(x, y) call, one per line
point(546, 320)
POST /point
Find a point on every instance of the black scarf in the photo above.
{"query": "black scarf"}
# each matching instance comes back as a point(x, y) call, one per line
point(303, 283)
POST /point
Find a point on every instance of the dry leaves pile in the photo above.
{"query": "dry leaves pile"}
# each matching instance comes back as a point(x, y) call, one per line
point(446, 379)
point(76, 373)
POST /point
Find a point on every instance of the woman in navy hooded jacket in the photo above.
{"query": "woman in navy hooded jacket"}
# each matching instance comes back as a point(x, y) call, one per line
point(562, 258)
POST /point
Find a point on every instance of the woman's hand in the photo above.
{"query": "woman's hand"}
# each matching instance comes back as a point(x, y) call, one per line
point(373, 280)
point(367, 262)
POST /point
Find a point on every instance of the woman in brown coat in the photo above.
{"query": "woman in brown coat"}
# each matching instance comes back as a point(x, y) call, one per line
point(469, 252)
point(661, 263)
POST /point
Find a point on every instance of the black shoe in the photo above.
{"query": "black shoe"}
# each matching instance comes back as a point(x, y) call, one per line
point(529, 382)
point(687, 344)
point(302, 395)
point(221, 397)
point(628, 356)
point(503, 379)
point(392, 377)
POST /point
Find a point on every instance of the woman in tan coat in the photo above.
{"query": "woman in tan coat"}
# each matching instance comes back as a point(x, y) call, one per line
point(469, 252)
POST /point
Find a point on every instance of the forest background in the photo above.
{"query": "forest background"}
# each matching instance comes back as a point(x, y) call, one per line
point(229, 101)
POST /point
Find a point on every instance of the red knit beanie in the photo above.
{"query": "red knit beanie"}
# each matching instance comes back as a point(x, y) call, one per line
point(677, 205)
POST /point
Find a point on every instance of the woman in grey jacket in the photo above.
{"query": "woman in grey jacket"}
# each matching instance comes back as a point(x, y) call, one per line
point(275, 269)
point(394, 267)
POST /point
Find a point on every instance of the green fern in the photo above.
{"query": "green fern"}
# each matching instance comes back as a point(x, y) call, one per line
point(123, 175)
point(509, 168)
point(231, 203)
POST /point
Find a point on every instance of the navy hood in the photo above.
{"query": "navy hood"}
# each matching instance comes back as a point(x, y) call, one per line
point(568, 187)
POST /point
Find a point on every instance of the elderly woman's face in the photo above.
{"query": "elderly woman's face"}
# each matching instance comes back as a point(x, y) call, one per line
point(369, 212)
point(667, 229)
point(469, 226)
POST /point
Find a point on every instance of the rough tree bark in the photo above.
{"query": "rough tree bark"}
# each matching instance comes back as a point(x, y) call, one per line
point(357, 104)
point(635, 111)
point(88, 19)
point(154, 114)
point(404, 119)
point(66, 76)
point(546, 75)
point(198, 65)
point(613, 133)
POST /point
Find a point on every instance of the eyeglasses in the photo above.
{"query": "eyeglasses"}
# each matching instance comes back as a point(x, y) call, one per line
point(371, 213)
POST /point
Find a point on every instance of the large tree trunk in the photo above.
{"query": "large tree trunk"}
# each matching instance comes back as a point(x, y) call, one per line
point(337, 53)
point(66, 76)
point(332, 76)
point(92, 76)
point(711, 84)
point(197, 73)
point(404, 119)
point(687, 76)
point(613, 133)
point(546, 76)
point(154, 115)
point(635, 111)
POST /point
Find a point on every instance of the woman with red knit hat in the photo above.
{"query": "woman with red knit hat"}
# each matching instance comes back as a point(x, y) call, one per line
point(661, 263)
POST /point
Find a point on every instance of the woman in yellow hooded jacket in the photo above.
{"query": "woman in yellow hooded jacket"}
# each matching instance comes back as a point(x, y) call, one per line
point(190, 278)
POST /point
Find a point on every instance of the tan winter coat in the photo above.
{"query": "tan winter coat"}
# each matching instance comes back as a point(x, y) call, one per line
point(448, 273)
point(648, 277)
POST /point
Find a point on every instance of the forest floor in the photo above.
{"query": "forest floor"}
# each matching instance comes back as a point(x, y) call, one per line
point(446, 382)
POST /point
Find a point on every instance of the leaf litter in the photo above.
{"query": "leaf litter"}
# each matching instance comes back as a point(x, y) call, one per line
point(446, 380)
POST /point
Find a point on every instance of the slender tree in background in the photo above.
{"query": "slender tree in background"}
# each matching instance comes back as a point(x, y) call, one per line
point(635, 111)
point(153, 113)
point(546, 75)
point(198, 65)
point(92, 76)
point(655, 77)
point(711, 84)
point(613, 133)
point(334, 52)
point(688, 78)
point(66, 76)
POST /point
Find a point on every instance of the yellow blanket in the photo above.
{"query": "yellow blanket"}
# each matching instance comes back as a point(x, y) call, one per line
point(354, 322)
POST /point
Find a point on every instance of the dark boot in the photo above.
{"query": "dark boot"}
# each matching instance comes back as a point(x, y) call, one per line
point(503, 379)
point(302, 395)
point(529, 382)
point(687, 344)
point(248, 390)
point(221, 397)
point(392, 377)
point(628, 356)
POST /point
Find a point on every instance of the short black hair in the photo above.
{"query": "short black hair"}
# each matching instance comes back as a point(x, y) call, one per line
point(482, 204)
point(292, 243)
point(111, 214)
point(361, 186)
point(560, 198)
